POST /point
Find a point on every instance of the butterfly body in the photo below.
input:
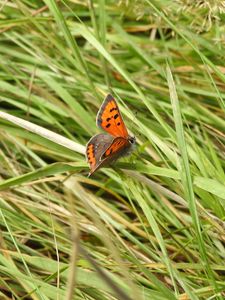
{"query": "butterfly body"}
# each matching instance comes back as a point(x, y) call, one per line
point(104, 148)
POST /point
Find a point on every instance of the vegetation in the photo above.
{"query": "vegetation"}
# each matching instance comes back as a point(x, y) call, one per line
point(151, 227)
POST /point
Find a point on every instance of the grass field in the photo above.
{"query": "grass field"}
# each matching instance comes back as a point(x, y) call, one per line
point(151, 227)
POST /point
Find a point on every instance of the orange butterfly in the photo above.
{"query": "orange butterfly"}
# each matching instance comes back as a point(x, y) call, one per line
point(104, 148)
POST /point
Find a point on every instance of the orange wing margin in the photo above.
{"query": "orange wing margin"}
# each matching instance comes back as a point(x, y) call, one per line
point(91, 155)
point(110, 119)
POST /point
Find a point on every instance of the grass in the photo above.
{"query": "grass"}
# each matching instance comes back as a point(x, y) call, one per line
point(151, 227)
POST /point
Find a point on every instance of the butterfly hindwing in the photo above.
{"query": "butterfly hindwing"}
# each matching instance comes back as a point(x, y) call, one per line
point(97, 145)
point(90, 155)
point(110, 119)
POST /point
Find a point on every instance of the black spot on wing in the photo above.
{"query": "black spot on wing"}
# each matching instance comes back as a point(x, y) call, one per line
point(108, 125)
point(118, 124)
point(116, 116)
point(112, 109)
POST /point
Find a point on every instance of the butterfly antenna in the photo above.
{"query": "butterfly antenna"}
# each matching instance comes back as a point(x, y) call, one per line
point(132, 122)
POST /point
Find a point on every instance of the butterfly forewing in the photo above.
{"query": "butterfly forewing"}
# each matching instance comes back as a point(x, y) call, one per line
point(110, 119)
point(116, 148)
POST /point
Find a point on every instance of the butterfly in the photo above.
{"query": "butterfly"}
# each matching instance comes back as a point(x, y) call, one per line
point(104, 148)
